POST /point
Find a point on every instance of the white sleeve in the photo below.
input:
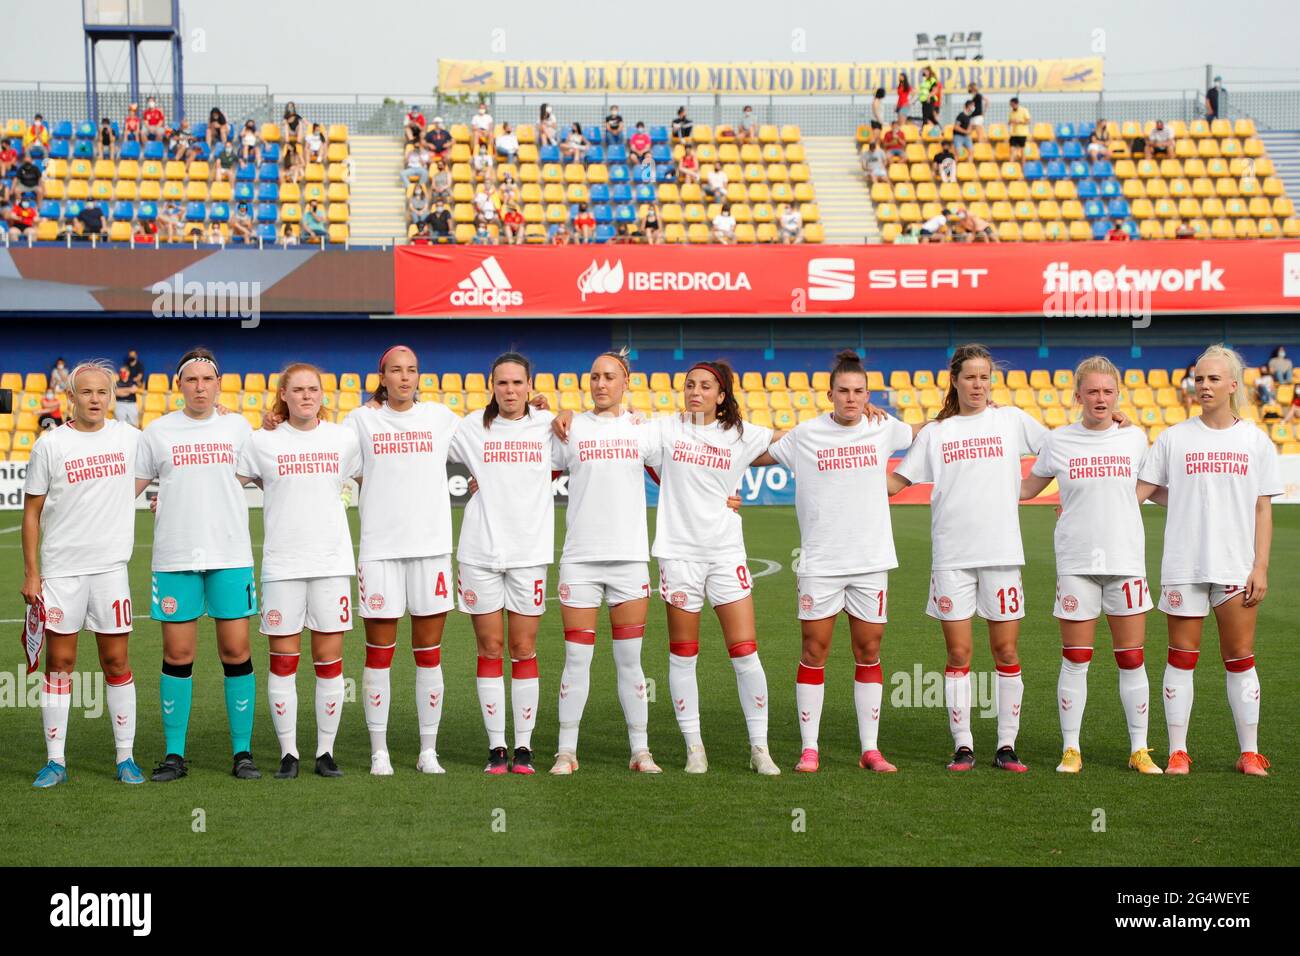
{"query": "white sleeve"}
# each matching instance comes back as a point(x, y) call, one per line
point(38, 470)
point(1155, 466)
point(1043, 466)
point(1270, 474)
point(916, 466)
point(351, 457)
point(900, 436)
point(756, 440)
point(248, 461)
point(559, 460)
point(784, 448)
point(458, 450)
point(1032, 433)
point(650, 438)
point(145, 465)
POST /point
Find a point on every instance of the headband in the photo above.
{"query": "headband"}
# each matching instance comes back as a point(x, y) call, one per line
point(198, 358)
point(710, 369)
point(392, 348)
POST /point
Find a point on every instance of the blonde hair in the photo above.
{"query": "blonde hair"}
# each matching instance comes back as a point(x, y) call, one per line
point(1235, 368)
point(104, 367)
point(1096, 365)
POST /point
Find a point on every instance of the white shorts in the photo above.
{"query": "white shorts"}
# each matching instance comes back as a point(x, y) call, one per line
point(1195, 600)
point(685, 584)
point(1083, 597)
point(392, 587)
point(977, 120)
point(864, 596)
point(323, 605)
point(995, 594)
point(520, 590)
point(97, 602)
point(616, 582)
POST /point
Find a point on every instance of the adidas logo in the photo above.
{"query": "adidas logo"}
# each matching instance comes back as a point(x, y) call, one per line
point(487, 285)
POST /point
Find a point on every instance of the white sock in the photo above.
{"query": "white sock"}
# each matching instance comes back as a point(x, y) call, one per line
point(1134, 696)
point(121, 706)
point(685, 689)
point(809, 693)
point(492, 700)
point(868, 693)
point(1243, 698)
point(376, 689)
point(56, 704)
point(1072, 693)
point(1010, 691)
point(751, 684)
point(428, 694)
point(282, 694)
point(956, 697)
point(632, 689)
point(1179, 695)
point(329, 704)
point(524, 695)
point(575, 684)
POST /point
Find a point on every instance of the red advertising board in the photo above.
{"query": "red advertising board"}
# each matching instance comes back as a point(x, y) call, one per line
point(1066, 280)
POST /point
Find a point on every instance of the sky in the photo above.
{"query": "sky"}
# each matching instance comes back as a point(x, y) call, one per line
point(392, 46)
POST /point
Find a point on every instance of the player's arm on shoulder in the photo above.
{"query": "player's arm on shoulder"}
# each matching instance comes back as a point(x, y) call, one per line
point(561, 423)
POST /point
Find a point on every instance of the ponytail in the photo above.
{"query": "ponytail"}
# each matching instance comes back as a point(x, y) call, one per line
point(505, 358)
point(729, 409)
point(960, 356)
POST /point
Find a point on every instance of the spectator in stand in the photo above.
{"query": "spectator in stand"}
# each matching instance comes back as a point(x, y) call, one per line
point(439, 222)
point(1187, 388)
point(1294, 409)
point(135, 369)
point(895, 143)
point(944, 164)
point(975, 228)
point(1281, 366)
point(169, 217)
point(60, 376)
point(507, 188)
point(126, 410)
point(715, 184)
point(423, 235)
point(1018, 118)
point(584, 224)
point(561, 236)
point(89, 223)
point(961, 131)
point(241, 223)
point(513, 221)
point(224, 163)
point(977, 114)
point(935, 229)
point(440, 183)
point(155, 124)
point(313, 223)
point(613, 127)
point(877, 115)
point(933, 101)
point(789, 224)
point(438, 139)
point(51, 412)
point(218, 128)
point(132, 128)
point(8, 160)
point(689, 168)
point(1265, 388)
point(179, 141)
point(291, 234)
point(1160, 144)
point(417, 165)
point(1213, 96)
point(650, 223)
point(874, 162)
point(27, 180)
point(508, 143)
point(314, 145)
point(482, 127)
point(485, 205)
point(724, 226)
point(417, 205)
point(106, 140)
point(1184, 230)
point(1098, 144)
point(293, 128)
point(574, 147)
point(547, 127)
point(216, 234)
point(414, 124)
point(682, 126)
point(484, 165)
point(292, 165)
point(23, 220)
point(747, 130)
point(1138, 147)
point(250, 146)
point(904, 98)
point(36, 141)
point(639, 144)
point(1117, 231)
point(482, 234)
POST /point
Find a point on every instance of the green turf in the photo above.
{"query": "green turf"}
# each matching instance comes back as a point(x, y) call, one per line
point(607, 815)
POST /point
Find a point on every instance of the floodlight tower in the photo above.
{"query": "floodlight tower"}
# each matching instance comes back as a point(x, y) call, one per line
point(135, 22)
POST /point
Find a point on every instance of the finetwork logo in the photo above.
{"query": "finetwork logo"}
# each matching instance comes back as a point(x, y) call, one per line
point(830, 280)
point(605, 279)
point(1291, 275)
point(487, 285)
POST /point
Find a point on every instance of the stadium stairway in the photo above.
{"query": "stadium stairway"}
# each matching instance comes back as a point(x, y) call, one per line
point(378, 203)
point(1283, 148)
point(842, 194)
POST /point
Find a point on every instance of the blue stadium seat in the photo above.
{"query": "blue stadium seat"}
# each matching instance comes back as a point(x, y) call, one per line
point(1084, 130)
point(268, 192)
point(196, 211)
point(617, 153)
point(60, 149)
point(50, 209)
point(245, 173)
point(601, 213)
point(266, 232)
point(1073, 149)
point(85, 130)
point(660, 153)
point(243, 192)
point(658, 134)
point(154, 150)
point(268, 173)
point(595, 154)
point(1094, 209)
point(600, 192)
point(550, 153)
point(1132, 229)
point(1049, 150)
point(623, 192)
point(147, 211)
point(271, 153)
point(84, 149)
point(202, 150)
point(122, 210)
point(219, 212)
point(39, 164)
point(618, 174)
point(1110, 187)
point(1065, 131)
point(72, 208)
point(1087, 189)
point(1100, 228)
point(130, 150)
point(604, 232)
point(645, 193)
point(1033, 169)
point(1118, 208)
point(591, 133)
point(1055, 170)
point(267, 212)
point(666, 174)
point(643, 174)
point(1102, 169)
point(1078, 169)
point(63, 129)
point(624, 213)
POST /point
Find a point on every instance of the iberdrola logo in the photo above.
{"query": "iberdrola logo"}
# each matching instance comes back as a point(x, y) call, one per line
point(601, 278)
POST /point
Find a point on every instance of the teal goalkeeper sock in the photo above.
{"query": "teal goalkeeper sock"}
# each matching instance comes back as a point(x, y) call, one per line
point(241, 692)
point(175, 692)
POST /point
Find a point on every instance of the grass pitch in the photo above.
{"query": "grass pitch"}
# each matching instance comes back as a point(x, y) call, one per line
point(605, 814)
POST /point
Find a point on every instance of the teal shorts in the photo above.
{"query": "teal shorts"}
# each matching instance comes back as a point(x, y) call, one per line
point(186, 595)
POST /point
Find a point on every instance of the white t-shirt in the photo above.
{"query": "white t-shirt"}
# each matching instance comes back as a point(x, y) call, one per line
point(481, 121)
point(724, 223)
point(1100, 528)
point(88, 520)
point(1214, 477)
point(974, 462)
point(605, 457)
point(841, 496)
point(700, 468)
point(202, 518)
point(405, 505)
point(303, 473)
point(510, 521)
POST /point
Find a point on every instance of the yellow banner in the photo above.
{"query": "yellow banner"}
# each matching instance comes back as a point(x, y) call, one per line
point(763, 79)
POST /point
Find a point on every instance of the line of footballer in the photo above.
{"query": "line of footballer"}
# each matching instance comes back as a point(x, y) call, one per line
point(1215, 472)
